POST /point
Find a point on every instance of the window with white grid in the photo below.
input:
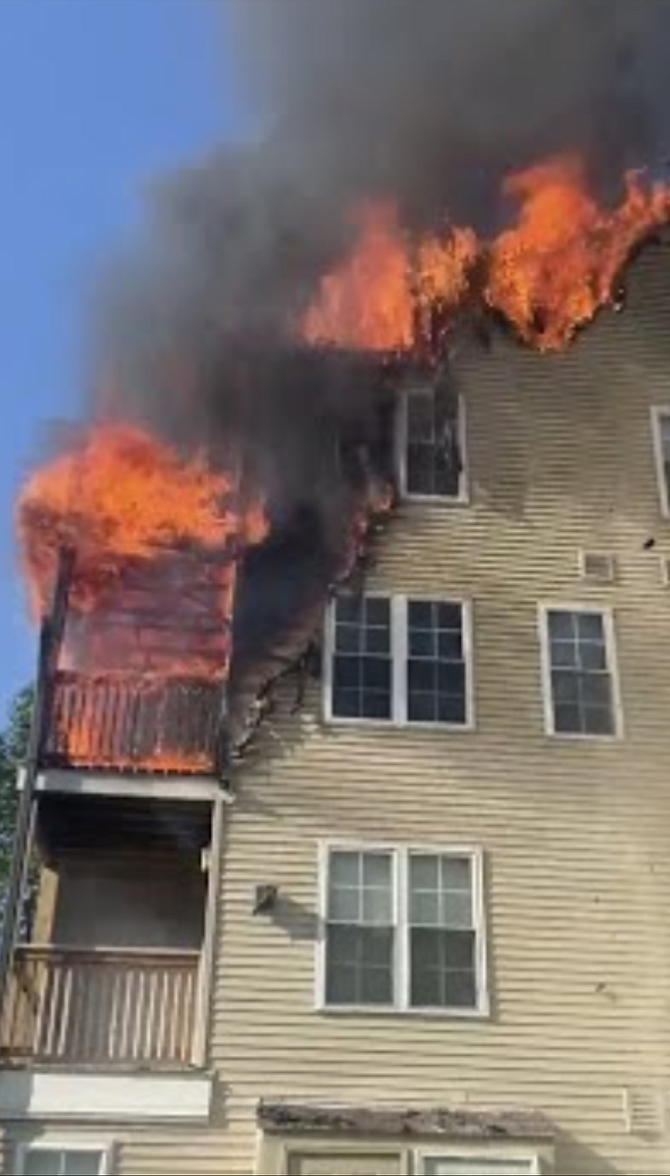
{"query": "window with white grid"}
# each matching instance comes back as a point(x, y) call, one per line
point(661, 426)
point(46, 1161)
point(399, 660)
point(579, 649)
point(403, 929)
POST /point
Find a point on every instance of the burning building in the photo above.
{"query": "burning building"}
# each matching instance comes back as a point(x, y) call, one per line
point(343, 833)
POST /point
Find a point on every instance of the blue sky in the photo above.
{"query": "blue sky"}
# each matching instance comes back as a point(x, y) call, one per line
point(97, 96)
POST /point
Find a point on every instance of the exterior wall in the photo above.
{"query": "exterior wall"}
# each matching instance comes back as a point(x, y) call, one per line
point(576, 835)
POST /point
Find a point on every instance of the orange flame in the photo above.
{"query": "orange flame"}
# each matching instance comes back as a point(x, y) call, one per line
point(121, 496)
point(548, 275)
point(372, 301)
point(552, 272)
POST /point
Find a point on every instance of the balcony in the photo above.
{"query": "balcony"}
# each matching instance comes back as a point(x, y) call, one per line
point(134, 723)
point(108, 1010)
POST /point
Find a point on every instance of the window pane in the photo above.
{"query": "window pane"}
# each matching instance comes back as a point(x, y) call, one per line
point(598, 721)
point(348, 673)
point(424, 872)
point(564, 653)
point(425, 910)
point(82, 1164)
point(376, 987)
point(457, 910)
point(344, 906)
point(341, 988)
point(562, 626)
point(420, 615)
point(375, 705)
point(592, 656)
point(422, 643)
point(349, 609)
point(472, 1167)
point(456, 873)
point(377, 611)
point(377, 869)
point(443, 971)
point(451, 709)
point(449, 616)
point(568, 720)
point(362, 666)
point(596, 690)
point(43, 1163)
point(347, 639)
point(347, 704)
point(590, 627)
point(450, 646)
point(378, 907)
point(433, 458)
point(460, 990)
point(345, 869)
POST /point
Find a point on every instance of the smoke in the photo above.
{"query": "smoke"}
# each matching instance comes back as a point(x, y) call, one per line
point(430, 101)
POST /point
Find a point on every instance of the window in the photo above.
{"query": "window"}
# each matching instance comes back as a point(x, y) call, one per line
point(431, 446)
point(486, 1166)
point(581, 682)
point(661, 430)
point(400, 661)
point(46, 1161)
point(403, 930)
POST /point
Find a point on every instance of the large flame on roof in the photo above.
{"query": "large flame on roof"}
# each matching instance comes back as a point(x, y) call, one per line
point(120, 496)
point(552, 272)
point(548, 275)
point(376, 299)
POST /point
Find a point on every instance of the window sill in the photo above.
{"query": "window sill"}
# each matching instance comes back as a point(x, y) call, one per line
point(373, 1012)
point(395, 725)
point(436, 500)
point(598, 740)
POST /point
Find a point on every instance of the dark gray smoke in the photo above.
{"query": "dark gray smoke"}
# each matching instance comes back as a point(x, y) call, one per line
point(429, 101)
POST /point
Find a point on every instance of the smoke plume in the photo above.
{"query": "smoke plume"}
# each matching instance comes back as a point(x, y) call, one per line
point(431, 102)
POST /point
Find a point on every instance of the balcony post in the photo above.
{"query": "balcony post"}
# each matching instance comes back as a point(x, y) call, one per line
point(51, 638)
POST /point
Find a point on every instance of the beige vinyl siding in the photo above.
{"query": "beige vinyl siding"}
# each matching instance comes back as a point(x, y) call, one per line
point(575, 834)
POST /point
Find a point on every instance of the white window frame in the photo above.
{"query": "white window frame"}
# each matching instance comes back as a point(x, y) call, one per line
point(611, 652)
point(402, 960)
point(401, 433)
point(399, 664)
point(59, 1144)
point(658, 414)
point(426, 1157)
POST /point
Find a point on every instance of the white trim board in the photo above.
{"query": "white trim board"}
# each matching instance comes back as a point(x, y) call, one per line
point(92, 783)
point(103, 1098)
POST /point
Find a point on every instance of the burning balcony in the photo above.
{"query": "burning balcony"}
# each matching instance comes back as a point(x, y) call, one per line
point(111, 973)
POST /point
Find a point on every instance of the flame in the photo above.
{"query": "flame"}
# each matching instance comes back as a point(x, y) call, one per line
point(552, 272)
point(372, 301)
point(548, 275)
point(121, 496)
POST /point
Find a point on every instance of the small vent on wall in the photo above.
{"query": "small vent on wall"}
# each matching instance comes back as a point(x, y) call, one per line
point(646, 1112)
point(598, 566)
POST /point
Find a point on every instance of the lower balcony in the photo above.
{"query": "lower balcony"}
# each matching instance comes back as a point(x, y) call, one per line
point(107, 1010)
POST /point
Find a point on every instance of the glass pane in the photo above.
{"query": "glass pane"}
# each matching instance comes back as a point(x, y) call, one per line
point(422, 676)
point(347, 704)
point(599, 721)
point(44, 1163)
point(378, 907)
point(460, 990)
point(344, 946)
point(424, 872)
point(423, 708)
point(421, 417)
point(375, 705)
point(564, 653)
point(459, 950)
point(420, 614)
point(376, 673)
point(425, 909)
point(377, 948)
point(422, 643)
point(450, 646)
point(344, 906)
point(349, 609)
point(451, 709)
point(377, 986)
point(345, 869)
point(562, 626)
point(590, 627)
point(457, 910)
point(592, 656)
point(450, 616)
point(341, 986)
point(83, 1164)
point(456, 873)
point(472, 1167)
point(348, 639)
point(568, 720)
point(451, 678)
point(377, 611)
point(426, 989)
point(426, 950)
point(377, 869)
point(377, 641)
point(348, 673)
point(596, 690)
point(565, 685)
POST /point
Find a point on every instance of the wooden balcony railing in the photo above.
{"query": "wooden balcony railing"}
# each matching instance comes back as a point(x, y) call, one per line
point(103, 1009)
point(134, 723)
